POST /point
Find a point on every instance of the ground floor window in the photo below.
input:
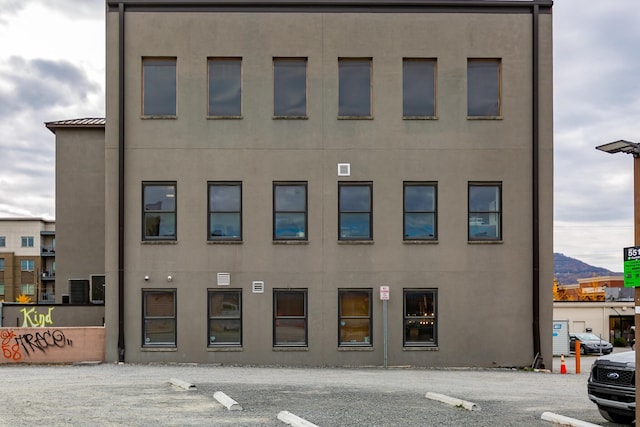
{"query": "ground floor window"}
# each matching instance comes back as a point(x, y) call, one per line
point(420, 317)
point(355, 321)
point(290, 317)
point(225, 321)
point(159, 318)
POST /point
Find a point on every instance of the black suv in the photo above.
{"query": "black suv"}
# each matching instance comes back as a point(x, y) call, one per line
point(611, 386)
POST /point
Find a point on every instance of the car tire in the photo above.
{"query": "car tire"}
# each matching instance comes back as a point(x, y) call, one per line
point(616, 417)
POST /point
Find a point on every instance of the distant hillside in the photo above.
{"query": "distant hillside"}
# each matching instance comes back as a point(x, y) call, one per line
point(568, 270)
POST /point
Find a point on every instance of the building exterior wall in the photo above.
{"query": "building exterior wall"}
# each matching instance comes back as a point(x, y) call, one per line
point(483, 289)
point(596, 316)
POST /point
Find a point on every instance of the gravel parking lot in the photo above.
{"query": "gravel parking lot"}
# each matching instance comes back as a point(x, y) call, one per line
point(142, 395)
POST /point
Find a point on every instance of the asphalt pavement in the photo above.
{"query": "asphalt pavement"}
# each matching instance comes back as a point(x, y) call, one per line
point(149, 395)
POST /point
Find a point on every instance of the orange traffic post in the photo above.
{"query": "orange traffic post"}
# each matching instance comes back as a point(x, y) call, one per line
point(577, 356)
point(563, 367)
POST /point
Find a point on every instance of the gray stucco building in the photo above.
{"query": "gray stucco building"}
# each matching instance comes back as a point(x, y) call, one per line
point(271, 165)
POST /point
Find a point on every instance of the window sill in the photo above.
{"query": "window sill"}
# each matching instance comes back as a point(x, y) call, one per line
point(224, 117)
point(356, 348)
point(419, 242)
point(302, 348)
point(290, 242)
point(355, 242)
point(159, 117)
point(224, 349)
point(290, 117)
point(419, 117)
point(159, 349)
point(159, 242)
point(485, 242)
point(421, 348)
point(224, 242)
point(484, 117)
point(355, 117)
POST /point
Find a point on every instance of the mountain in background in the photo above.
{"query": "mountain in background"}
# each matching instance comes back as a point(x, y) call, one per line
point(568, 270)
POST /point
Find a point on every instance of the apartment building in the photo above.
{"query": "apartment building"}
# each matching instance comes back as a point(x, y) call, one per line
point(27, 259)
point(332, 183)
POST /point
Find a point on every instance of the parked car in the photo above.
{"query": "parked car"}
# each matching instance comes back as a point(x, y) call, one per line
point(611, 386)
point(589, 343)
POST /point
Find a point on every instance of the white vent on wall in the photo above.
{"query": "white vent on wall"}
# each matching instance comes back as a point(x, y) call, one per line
point(224, 279)
point(258, 287)
point(344, 169)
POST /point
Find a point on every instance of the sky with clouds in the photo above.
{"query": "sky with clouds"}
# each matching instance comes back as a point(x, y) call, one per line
point(52, 68)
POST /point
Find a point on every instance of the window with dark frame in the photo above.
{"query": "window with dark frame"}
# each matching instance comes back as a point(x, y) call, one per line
point(485, 211)
point(354, 88)
point(418, 88)
point(225, 87)
point(27, 265)
point(225, 211)
point(159, 211)
point(225, 318)
point(290, 211)
point(28, 289)
point(3, 241)
point(1, 264)
point(159, 86)
point(483, 88)
point(290, 317)
point(290, 87)
point(420, 318)
point(26, 241)
point(355, 211)
point(354, 317)
point(159, 318)
point(420, 211)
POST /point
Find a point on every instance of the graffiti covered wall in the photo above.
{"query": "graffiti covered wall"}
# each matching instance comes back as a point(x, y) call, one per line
point(52, 345)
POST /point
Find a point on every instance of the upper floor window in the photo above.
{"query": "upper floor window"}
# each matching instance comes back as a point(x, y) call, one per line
point(418, 88)
point(420, 220)
point(290, 317)
point(159, 86)
point(225, 320)
point(27, 265)
point(225, 87)
point(225, 211)
point(159, 211)
point(3, 241)
point(27, 241)
point(290, 87)
point(354, 88)
point(1, 289)
point(355, 211)
point(485, 214)
point(1, 264)
point(28, 289)
point(355, 321)
point(159, 318)
point(483, 88)
point(290, 211)
point(420, 317)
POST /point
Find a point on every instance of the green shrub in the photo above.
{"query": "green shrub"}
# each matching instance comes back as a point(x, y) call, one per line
point(620, 342)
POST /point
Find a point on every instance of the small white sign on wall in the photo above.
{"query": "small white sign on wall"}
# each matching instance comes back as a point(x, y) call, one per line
point(384, 293)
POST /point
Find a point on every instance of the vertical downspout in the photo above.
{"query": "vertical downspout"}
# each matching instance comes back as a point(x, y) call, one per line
point(120, 182)
point(535, 189)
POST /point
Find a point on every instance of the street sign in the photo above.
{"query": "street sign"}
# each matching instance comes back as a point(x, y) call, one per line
point(384, 293)
point(632, 267)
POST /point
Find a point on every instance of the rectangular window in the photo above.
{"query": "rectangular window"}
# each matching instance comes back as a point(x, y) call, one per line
point(1, 264)
point(420, 220)
point(27, 265)
point(418, 88)
point(354, 88)
point(420, 317)
point(159, 213)
point(27, 241)
point(290, 211)
point(159, 86)
point(483, 88)
point(3, 241)
point(290, 317)
point(28, 289)
point(225, 211)
point(355, 321)
point(225, 87)
point(1, 289)
point(290, 87)
point(485, 211)
point(355, 211)
point(225, 321)
point(159, 318)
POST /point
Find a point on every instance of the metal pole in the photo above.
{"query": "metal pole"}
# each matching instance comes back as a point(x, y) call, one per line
point(384, 321)
point(636, 232)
